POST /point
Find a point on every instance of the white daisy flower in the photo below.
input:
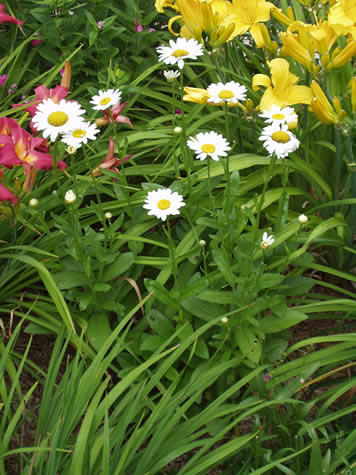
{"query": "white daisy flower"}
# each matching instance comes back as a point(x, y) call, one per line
point(162, 203)
point(105, 99)
point(80, 134)
point(180, 50)
point(278, 116)
point(209, 144)
point(54, 119)
point(171, 75)
point(230, 92)
point(279, 141)
point(267, 241)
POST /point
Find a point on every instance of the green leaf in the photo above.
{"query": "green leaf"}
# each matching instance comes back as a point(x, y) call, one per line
point(269, 280)
point(70, 279)
point(205, 310)
point(100, 287)
point(272, 324)
point(99, 330)
point(119, 267)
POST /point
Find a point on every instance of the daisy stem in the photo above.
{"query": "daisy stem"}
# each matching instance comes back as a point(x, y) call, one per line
point(172, 252)
point(211, 196)
point(261, 201)
point(187, 157)
point(75, 181)
point(227, 161)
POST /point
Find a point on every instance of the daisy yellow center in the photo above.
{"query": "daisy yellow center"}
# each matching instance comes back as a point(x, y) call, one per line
point(208, 148)
point(178, 53)
point(79, 133)
point(280, 137)
point(163, 204)
point(57, 119)
point(278, 116)
point(225, 94)
point(105, 101)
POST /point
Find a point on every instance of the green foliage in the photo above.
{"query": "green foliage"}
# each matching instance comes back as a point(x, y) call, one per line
point(181, 328)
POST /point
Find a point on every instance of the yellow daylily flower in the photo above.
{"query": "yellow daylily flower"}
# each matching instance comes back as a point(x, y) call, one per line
point(197, 16)
point(342, 17)
point(292, 47)
point(280, 88)
point(321, 107)
point(280, 16)
point(247, 16)
point(323, 35)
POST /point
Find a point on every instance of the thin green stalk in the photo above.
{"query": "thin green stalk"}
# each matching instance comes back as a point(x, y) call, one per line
point(172, 251)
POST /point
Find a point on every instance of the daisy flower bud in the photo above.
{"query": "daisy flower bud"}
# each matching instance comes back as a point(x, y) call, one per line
point(171, 76)
point(70, 197)
point(108, 215)
point(177, 130)
point(33, 202)
point(303, 219)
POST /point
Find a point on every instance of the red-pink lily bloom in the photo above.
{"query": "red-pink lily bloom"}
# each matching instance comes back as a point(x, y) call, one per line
point(56, 94)
point(26, 150)
point(110, 162)
point(5, 194)
point(4, 18)
point(115, 112)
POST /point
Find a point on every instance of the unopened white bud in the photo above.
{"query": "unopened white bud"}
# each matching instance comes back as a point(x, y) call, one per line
point(70, 197)
point(177, 130)
point(33, 202)
point(108, 215)
point(202, 243)
point(224, 320)
point(171, 76)
point(303, 219)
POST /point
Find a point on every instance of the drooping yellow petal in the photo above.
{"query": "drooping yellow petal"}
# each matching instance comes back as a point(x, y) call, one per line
point(256, 33)
point(281, 76)
point(321, 106)
point(342, 17)
point(160, 4)
point(260, 80)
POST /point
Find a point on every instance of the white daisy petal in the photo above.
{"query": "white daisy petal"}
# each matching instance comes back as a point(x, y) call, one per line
point(230, 92)
point(179, 50)
point(54, 119)
point(105, 99)
point(277, 116)
point(279, 140)
point(209, 144)
point(80, 134)
point(162, 203)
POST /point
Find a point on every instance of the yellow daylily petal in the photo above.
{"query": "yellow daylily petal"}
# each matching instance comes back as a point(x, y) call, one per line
point(256, 33)
point(260, 80)
point(193, 94)
point(170, 23)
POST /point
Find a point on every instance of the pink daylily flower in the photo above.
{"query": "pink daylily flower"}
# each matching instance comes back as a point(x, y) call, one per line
point(56, 94)
point(4, 18)
point(110, 161)
point(115, 112)
point(26, 150)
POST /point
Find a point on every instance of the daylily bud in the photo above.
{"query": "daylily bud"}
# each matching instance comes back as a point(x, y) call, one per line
point(280, 16)
point(249, 106)
point(290, 13)
point(353, 93)
point(30, 180)
point(344, 56)
point(65, 82)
